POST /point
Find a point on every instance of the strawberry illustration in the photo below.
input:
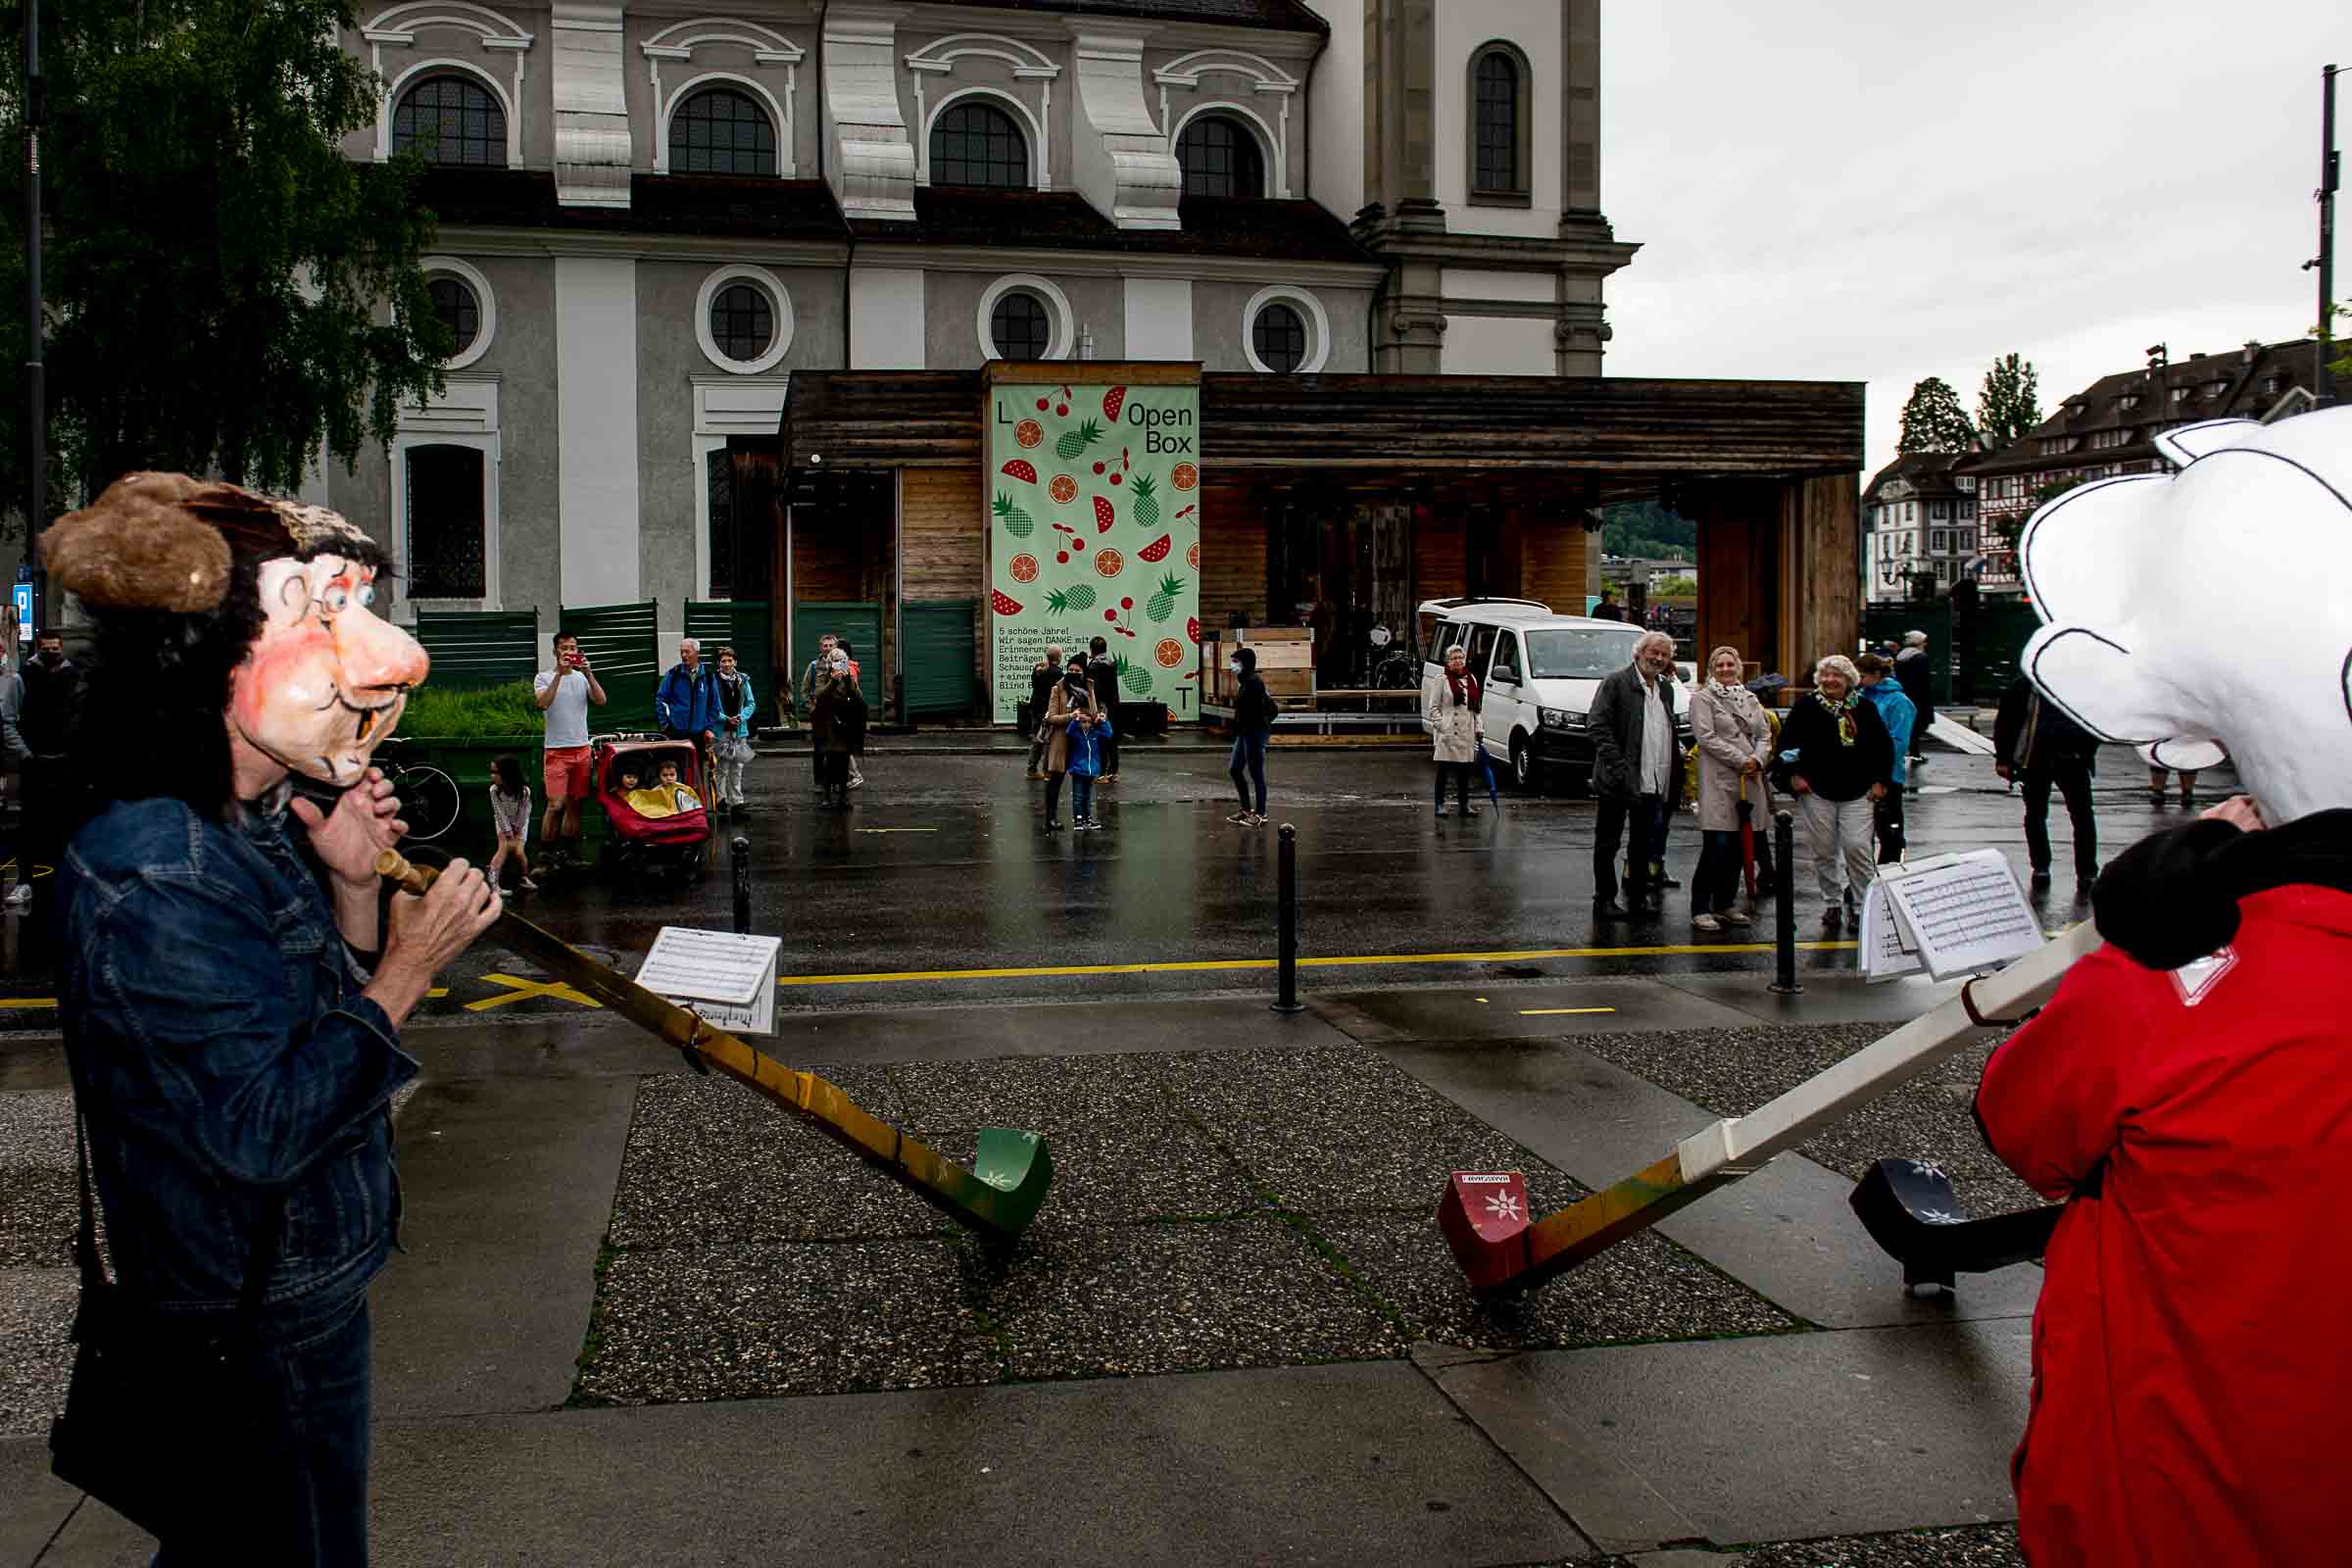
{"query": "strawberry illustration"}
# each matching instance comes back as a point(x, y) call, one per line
point(1016, 521)
point(1023, 469)
point(1001, 603)
point(1158, 550)
point(1146, 505)
point(1077, 596)
point(1191, 627)
point(1113, 400)
point(1105, 516)
point(1073, 442)
point(1164, 600)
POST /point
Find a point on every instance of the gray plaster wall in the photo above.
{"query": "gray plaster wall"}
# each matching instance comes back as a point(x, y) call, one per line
point(734, 59)
point(669, 356)
point(1217, 324)
point(530, 547)
point(439, 42)
point(951, 315)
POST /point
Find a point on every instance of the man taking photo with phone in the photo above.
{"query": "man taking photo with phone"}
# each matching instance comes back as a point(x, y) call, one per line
point(564, 694)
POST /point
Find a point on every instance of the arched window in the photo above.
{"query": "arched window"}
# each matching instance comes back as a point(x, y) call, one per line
point(722, 131)
point(452, 119)
point(1499, 124)
point(973, 144)
point(1021, 326)
point(1220, 158)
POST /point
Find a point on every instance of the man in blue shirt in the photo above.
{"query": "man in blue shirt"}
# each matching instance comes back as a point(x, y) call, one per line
point(1902, 715)
point(687, 705)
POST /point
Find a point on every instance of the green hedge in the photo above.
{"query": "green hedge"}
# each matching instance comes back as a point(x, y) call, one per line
point(455, 714)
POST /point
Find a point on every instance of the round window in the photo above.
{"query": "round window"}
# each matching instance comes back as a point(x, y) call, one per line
point(743, 321)
point(1020, 326)
point(460, 311)
point(1279, 335)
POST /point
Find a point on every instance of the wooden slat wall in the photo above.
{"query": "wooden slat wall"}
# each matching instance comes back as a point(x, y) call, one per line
point(1552, 562)
point(942, 545)
point(1826, 515)
point(1738, 601)
point(1233, 555)
point(1441, 559)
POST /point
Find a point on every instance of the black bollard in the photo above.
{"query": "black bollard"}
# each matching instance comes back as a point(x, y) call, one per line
point(1783, 882)
point(740, 854)
point(1286, 963)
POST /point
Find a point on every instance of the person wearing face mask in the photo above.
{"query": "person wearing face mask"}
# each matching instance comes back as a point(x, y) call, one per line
point(1253, 722)
point(52, 703)
point(837, 715)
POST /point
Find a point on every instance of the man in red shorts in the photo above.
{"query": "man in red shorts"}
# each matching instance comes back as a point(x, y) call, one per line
point(564, 694)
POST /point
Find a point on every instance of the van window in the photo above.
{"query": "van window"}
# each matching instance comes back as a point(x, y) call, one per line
point(1480, 642)
point(1448, 634)
point(1580, 652)
point(1506, 651)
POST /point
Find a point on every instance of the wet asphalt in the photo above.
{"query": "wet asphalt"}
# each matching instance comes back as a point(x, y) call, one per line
point(942, 866)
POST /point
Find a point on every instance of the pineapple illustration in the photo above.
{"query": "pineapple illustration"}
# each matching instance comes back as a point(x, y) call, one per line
point(1077, 596)
point(1146, 505)
point(1073, 442)
point(1134, 677)
point(1162, 603)
point(1017, 522)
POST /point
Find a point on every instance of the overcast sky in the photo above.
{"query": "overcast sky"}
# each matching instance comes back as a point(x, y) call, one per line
point(1875, 191)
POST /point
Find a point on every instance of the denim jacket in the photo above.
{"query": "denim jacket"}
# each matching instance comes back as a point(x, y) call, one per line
point(225, 1058)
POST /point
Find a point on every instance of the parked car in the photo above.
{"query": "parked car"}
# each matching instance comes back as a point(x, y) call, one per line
point(1541, 671)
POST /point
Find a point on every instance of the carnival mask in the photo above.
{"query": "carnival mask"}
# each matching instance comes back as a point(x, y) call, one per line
point(2167, 624)
point(327, 679)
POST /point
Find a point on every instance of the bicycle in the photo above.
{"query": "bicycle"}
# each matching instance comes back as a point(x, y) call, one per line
point(428, 797)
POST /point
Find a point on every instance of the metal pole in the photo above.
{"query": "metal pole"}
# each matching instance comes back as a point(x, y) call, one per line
point(36, 398)
point(2321, 385)
point(1784, 886)
point(1286, 995)
point(740, 853)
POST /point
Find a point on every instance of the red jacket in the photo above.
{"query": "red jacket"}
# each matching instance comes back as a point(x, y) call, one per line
point(2192, 1365)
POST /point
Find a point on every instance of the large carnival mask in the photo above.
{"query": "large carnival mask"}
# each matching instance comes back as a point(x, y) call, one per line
point(2210, 609)
point(326, 680)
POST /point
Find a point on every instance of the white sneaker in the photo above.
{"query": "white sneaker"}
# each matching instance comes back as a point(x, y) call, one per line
point(1733, 917)
point(526, 885)
point(1705, 922)
point(856, 781)
point(20, 896)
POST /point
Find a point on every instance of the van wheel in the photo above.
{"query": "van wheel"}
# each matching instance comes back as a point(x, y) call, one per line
point(1527, 769)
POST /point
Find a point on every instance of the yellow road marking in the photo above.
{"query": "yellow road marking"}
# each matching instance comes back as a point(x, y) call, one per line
point(1349, 960)
point(27, 1001)
point(522, 988)
point(1555, 1012)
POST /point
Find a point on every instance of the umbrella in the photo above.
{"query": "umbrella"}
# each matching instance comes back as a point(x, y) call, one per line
point(1747, 840)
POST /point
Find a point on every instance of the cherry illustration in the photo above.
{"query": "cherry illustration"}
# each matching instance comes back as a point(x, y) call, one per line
point(1041, 404)
point(1097, 467)
point(1126, 604)
point(1111, 614)
point(1062, 557)
point(1060, 409)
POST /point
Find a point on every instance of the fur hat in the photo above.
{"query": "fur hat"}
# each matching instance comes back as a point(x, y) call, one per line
point(167, 542)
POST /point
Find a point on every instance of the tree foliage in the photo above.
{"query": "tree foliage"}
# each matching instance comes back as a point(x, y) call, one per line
point(2009, 403)
point(1934, 421)
point(1646, 530)
point(225, 291)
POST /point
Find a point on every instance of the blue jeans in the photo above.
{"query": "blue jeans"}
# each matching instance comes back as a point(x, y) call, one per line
point(307, 1501)
point(1082, 795)
point(1250, 752)
point(1716, 882)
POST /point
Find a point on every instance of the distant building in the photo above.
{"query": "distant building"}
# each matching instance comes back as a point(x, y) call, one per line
point(1919, 514)
point(2110, 426)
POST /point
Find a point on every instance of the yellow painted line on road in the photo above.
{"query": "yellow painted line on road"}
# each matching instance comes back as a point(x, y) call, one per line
point(27, 1001)
point(898, 830)
point(1556, 1013)
point(518, 990)
point(1349, 961)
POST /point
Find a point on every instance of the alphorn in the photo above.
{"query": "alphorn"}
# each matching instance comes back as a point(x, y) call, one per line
point(1000, 1195)
point(1484, 1213)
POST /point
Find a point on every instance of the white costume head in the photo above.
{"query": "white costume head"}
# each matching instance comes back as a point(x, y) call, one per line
point(2212, 607)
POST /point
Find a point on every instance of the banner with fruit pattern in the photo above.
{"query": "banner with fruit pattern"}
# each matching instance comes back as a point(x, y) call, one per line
point(1094, 530)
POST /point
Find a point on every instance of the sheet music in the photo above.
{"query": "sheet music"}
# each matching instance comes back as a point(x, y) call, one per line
point(1886, 955)
point(686, 965)
point(1966, 912)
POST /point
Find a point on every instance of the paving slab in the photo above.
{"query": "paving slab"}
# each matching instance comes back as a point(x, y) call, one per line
point(1037, 1029)
point(508, 1184)
point(1803, 1435)
point(34, 1503)
point(36, 1349)
point(1366, 1464)
point(1786, 1232)
point(1481, 1012)
point(1827, 997)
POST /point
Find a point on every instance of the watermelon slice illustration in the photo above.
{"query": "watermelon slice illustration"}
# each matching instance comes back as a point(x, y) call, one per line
point(1157, 549)
point(1023, 469)
point(1112, 401)
point(1105, 516)
point(1003, 603)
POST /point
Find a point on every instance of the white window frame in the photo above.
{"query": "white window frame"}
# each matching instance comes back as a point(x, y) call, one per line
point(488, 446)
point(1057, 307)
point(1269, 150)
point(1033, 131)
point(779, 118)
point(485, 301)
point(507, 103)
point(779, 297)
point(724, 406)
point(1318, 328)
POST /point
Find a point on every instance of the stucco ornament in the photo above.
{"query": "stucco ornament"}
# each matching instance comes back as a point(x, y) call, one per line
point(2210, 609)
point(326, 677)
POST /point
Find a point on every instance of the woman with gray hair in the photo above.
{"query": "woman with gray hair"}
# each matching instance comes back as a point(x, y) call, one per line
point(1837, 758)
point(1453, 726)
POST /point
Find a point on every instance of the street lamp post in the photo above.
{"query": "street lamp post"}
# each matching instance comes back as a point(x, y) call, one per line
point(2320, 384)
point(36, 404)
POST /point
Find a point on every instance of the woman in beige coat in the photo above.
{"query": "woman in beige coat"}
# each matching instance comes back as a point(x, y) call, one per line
point(1069, 699)
point(1453, 726)
point(1734, 743)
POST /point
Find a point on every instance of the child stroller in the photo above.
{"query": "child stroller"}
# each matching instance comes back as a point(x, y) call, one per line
point(645, 847)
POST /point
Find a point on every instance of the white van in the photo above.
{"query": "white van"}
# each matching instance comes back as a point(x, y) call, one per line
point(1541, 671)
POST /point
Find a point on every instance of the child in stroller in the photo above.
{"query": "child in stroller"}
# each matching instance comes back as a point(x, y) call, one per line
point(650, 788)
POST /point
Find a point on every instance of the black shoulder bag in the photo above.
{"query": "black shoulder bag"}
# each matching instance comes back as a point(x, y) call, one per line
point(164, 1421)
